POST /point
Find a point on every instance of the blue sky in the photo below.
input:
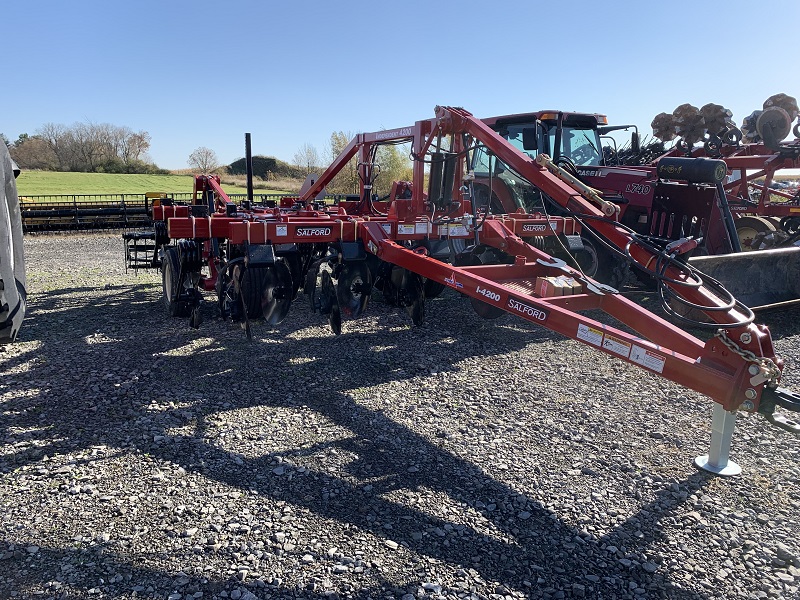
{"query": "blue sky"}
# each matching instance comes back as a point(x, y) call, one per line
point(199, 73)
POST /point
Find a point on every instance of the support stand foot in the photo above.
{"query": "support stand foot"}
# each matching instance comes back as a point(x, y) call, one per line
point(716, 461)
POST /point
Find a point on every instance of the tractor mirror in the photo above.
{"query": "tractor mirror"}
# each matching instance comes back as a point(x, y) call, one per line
point(635, 145)
point(529, 139)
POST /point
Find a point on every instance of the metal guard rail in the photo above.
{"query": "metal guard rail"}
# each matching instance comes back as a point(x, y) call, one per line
point(79, 212)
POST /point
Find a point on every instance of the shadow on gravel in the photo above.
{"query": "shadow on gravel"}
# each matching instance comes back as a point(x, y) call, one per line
point(77, 567)
point(521, 544)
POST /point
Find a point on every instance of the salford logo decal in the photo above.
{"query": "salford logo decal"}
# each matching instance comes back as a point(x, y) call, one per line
point(451, 281)
point(312, 231)
point(525, 309)
point(529, 228)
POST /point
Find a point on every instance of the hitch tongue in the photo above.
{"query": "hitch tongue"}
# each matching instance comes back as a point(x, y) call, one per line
point(781, 421)
point(773, 397)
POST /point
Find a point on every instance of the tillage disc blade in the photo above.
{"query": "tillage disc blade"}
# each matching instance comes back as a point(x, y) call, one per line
point(313, 285)
point(353, 288)
point(412, 296)
point(486, 310)
point(277, 292)
point(330, 303)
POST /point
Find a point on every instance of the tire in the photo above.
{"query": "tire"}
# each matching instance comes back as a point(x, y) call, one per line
point(747, 228)
point(600, 263)
point(170, 286)
point(432, 288)
point(252, 291)
point(482, 199)
point(295, 264)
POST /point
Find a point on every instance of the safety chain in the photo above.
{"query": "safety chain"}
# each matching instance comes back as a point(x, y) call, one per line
point(767, 365)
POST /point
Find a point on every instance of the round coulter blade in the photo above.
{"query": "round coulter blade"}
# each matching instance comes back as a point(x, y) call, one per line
point(353, 289)
point(411, 293)
point(277, 292)
point(330, 303)
point(313, 286)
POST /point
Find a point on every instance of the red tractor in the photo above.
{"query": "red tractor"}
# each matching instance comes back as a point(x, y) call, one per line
point(665, 202)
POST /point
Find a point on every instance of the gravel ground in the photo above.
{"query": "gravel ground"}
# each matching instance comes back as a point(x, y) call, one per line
point(460, 459)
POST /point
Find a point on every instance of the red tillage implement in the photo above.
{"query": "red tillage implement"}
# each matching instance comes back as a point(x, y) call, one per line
point(257, 259)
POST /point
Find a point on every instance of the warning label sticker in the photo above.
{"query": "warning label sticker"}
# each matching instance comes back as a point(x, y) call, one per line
point(281, 230)
point(458, 230)
point(616, 345)
point(649, 359)
point(387, 227)
point(424, 227)
point(590, 334)
point(405, 229)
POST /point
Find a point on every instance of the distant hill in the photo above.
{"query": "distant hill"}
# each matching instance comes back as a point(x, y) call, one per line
point(266, 167)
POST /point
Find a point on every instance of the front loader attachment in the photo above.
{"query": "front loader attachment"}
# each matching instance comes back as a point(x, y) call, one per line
point(761, 279)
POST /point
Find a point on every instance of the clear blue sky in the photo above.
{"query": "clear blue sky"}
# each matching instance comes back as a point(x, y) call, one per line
point(199, 73)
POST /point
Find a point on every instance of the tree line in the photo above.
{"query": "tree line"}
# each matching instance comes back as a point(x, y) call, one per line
point(84, 147)
point(393, 164)
point(105, 148)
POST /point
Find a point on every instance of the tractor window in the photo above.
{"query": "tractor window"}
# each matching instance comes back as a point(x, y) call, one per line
point(580, 145)
point(513, 133)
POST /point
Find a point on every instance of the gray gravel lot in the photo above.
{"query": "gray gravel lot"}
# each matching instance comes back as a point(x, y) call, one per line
point(460, 459)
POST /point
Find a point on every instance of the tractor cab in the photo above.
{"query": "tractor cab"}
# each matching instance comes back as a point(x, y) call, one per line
point(572, 140)
point(574, 136)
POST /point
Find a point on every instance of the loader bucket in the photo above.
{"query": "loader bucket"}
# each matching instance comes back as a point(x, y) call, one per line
point(761, 279)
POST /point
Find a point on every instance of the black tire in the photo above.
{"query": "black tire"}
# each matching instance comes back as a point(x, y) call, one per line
point(252, 291)
point(170, 286)
point(295, 264)
point(600, 263)
point(485, 310)
point(414, 288)
point(482, 199)
point(432, 288)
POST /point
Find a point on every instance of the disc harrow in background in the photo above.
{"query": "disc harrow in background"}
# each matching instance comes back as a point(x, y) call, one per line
point(715, 124)
point(787, 103)
point(664, 127)
point(689, 123)
point(717, 118)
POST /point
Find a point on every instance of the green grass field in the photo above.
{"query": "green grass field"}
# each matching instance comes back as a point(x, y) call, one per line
point(37, 183)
